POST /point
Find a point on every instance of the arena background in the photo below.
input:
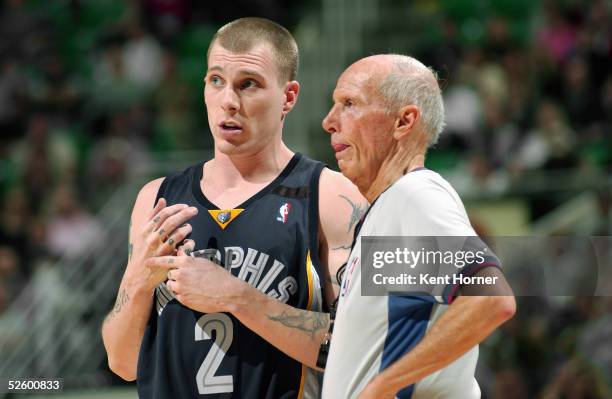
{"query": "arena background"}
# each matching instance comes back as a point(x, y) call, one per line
point(98, 96)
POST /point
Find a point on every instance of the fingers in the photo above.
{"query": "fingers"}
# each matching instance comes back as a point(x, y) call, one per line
point(175, 220)
point(155, 222)
point(186, 249)
point(167, 262)
point(175, 238)
point(161, 204)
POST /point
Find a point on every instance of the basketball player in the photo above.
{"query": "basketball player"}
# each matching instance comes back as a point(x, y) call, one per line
point(387, 111)
point(265, 227)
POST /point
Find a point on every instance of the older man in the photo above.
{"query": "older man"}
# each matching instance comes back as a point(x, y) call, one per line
point(387, 111)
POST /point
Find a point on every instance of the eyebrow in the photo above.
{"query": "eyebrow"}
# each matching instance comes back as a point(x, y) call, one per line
point(248, 72)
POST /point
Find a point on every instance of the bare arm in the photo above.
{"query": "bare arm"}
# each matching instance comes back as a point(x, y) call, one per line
point(300, 333)
point(340, 210)
point(467, 322)
point(150, 227)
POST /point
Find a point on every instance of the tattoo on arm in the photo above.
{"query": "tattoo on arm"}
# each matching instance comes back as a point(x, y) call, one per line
point(122, 299)
point(309, 322)
point(356, 214)
point(341, 247)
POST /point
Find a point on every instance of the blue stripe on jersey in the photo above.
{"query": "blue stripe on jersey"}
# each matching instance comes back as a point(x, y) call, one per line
point(408, 318)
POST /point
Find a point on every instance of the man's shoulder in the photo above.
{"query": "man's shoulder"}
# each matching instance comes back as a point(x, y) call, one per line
point(422, 184)
point(428, 205)
point(150, 190)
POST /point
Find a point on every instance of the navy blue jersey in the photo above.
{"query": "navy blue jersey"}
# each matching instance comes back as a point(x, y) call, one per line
point(269, 241)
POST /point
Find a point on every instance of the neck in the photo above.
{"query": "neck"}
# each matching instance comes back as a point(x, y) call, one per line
point(259, 167)
point(391, 171)
point(404, 156)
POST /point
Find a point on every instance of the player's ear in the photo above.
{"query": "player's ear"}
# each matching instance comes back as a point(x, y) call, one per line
point(292, 88)
point(405, 121)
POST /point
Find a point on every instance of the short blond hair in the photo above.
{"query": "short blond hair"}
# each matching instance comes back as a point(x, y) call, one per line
point(243, 34)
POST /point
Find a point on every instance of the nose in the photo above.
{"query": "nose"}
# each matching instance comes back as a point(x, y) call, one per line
point(330, 122)
point(230, 101)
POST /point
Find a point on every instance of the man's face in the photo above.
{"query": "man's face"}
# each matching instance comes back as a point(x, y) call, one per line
point(361, 129)
point(244, 99)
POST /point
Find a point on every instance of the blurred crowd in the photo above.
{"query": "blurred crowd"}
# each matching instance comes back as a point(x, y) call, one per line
point(526, 93)
point(91, 92)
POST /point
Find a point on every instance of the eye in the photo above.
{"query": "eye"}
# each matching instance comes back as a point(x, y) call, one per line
point(215, 80)
point(348, 103)
point(248, 84)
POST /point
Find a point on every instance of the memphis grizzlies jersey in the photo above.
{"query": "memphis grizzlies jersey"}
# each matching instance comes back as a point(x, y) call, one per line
point(269, 241)
point(386, 327)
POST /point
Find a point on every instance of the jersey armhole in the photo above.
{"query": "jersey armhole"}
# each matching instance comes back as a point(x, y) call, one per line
point(161, 191)
point(313, 225)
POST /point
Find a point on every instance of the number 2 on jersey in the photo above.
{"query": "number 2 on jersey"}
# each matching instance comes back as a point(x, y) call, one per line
point(207, 381)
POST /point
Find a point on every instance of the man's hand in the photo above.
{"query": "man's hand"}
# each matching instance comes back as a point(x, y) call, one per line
point(164, 230)
point(198, 283)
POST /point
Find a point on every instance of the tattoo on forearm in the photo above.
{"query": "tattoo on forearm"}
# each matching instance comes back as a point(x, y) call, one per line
point(309, 322)
point(122, 299)
point(341, 247)
point(356, 214)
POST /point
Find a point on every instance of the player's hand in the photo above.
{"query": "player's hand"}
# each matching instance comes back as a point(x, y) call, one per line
point(165, 229)
point(374, 390)
point(186, 248)
point(198, 283)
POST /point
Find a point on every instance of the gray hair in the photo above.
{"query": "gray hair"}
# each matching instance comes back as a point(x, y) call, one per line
point(411, 82)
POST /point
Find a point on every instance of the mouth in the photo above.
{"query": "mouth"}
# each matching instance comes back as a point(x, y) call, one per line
point(230, 127)
point(337, 147)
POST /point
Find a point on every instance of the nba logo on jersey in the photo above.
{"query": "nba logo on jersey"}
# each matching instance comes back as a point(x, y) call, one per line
point(284, 212)
point(347, 277)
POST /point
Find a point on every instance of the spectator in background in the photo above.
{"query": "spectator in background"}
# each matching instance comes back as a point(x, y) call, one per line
point(577, 93)
point(54, 89)
point(13, 90)
point(166, 17)
point(462, 105)
point(555, 36)
point(23, 33)
point(45, 158)
point(576, 379)
point(118, 155)
point(174, 125)
point(10, 280)
point(112, 90)
point(550, 144)
point(71, 231)
point(15, 217)
point(141, 58)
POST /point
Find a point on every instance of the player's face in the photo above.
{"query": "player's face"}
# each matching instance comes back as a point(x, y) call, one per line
point(361, 129)
point(245, 100)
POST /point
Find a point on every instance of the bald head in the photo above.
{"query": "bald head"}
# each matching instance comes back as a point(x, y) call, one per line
point(403, 80)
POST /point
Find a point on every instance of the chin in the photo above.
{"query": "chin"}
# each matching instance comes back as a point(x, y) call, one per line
point(347, 172)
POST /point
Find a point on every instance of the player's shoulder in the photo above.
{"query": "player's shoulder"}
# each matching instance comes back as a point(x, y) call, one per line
point(335, 187)
point(148, 193)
